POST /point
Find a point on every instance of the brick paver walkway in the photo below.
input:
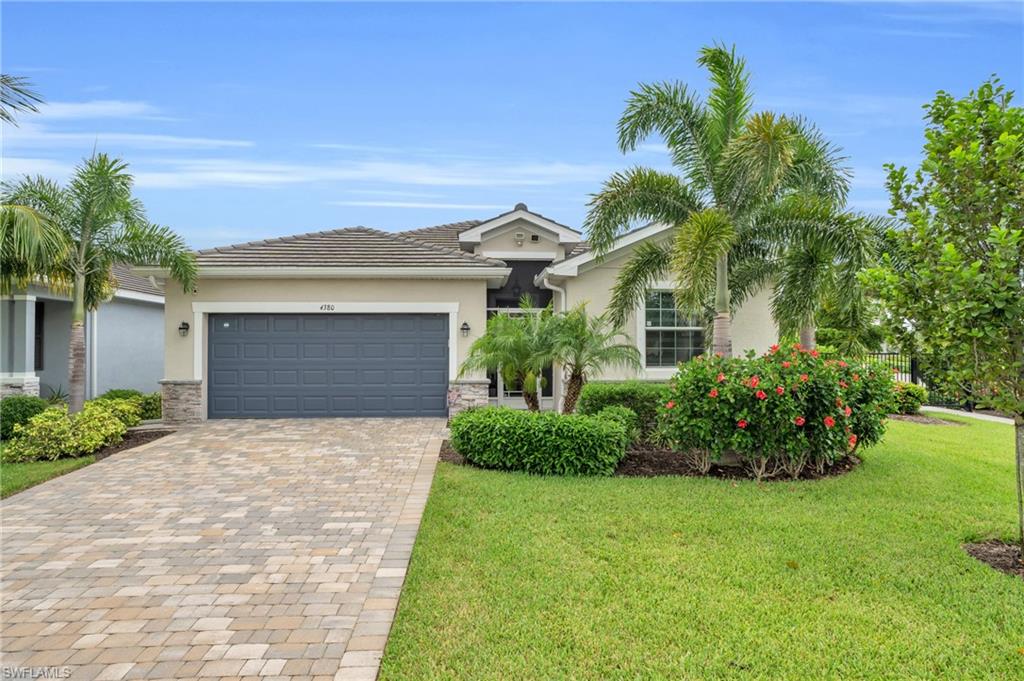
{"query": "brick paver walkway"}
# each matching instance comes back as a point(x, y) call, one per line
point(236, 549)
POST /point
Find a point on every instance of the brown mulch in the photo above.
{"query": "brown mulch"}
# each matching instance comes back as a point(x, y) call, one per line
point(133, 438)
point(924, 420)
point(644, 461)
point(1000, 555)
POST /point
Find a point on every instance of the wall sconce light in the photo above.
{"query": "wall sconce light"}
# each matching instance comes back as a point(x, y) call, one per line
point(464, 329)
point(183, 329)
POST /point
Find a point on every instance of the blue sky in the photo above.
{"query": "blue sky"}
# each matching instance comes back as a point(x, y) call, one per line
point(248, 121)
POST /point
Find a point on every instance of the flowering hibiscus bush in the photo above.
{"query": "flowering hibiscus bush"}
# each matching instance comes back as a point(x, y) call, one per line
point(778, 413)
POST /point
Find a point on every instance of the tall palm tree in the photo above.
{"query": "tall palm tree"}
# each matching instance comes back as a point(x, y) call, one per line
point(585, 345)
point(519, 346)
point(30, 243)
point(103, 224)
point(744, 179)
point(16, 96)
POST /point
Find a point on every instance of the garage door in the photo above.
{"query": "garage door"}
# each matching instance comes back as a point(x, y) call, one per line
point(305, 365)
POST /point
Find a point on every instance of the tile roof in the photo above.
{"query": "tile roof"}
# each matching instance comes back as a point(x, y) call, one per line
point(129, 281)
point(443, 235)
point(351, 247)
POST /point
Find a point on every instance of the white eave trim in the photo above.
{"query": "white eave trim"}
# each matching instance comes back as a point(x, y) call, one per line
point(343, 272)
point(570, 267)
point(564, 234)
point(142, 297)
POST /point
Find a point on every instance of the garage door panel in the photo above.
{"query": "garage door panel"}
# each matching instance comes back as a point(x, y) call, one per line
point(327, 365)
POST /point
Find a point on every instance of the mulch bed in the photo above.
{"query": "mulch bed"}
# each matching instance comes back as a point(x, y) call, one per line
point(923, 420)
point(1000, 555)
point(133, 438)
point(643, 461)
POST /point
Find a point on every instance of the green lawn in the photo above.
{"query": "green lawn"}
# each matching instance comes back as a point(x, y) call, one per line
point(861, 576)
point(15, 477)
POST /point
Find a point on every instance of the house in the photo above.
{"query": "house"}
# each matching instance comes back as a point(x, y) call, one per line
point(124, 339)
point(360, 322)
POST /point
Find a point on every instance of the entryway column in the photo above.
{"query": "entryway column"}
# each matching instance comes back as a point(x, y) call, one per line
point(18, 356)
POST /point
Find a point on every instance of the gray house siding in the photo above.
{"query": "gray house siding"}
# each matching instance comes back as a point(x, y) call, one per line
point(56, 337)
point(129, 342)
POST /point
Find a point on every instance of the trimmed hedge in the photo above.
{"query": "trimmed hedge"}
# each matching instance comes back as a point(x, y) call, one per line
point(624, 415)
point(149, 403)
point(17, 410)
point(539, 442)
point(642, 397)
point(908, 397)
point(54, 434)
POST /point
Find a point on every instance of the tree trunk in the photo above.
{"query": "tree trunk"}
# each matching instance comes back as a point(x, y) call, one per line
point(721, 341)
point(1018, 427)
point(573, 386)
point(532, 401)
point(808, 337)
point(76, 349)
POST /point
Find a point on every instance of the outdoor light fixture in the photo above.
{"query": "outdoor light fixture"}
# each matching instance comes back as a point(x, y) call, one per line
point(183, 329)
point(464, 329)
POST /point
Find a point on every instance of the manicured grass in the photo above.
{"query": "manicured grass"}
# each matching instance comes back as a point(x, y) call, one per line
point(15, 477)
point(860, 576)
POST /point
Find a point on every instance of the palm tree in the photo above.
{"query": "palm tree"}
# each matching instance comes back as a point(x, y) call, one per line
point(519, 346)
point(585, 345)
point(103, 225)
point(744, 179)
point(16, 96)
point(29, 245)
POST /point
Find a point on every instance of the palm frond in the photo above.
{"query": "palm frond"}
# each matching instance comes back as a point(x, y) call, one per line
point(800, 282)
point(756, 162)
point(699, 246)
point(16, 96)
point(729, 101)
point(150, 244)
point(650, 261)
point(637, 194)
point(818, 165)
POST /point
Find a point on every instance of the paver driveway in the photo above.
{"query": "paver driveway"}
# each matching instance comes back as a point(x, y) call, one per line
point(235, 549)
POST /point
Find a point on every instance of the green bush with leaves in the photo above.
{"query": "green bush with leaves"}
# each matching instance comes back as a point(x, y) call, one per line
point(121, 394)
point(99, 424)
point(779, 413)
point(908, 397)
point(148, 403)
point(127, 411)
point(643, 398)
point(151, 407)
point(18, 409)
point(624, 415)
point(54, 434)
point(539, 442)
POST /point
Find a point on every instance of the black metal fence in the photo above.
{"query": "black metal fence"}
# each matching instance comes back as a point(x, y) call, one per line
point(906, 369)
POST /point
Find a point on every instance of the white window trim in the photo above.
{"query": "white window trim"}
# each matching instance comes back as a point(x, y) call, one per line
point(641, 333)
point(200, 310)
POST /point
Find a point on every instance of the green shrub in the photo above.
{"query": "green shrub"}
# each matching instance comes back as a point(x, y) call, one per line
point(120, 394)
point(149, 403)
point(151, 409)
point(17, 410)
point(53, 434)
point(643, 398)
point(127, 411)
point(624, 415)
point(908, 397)
point(539, 442)
point(779, 413)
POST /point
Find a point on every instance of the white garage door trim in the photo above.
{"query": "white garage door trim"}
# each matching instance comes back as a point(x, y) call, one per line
point(200, 310)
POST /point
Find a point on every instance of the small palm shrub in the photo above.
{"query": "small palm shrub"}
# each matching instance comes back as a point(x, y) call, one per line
point(779, 413)
point(908, 397)
point(643, 398)
point(18, 409)
point(624, 415)
point(54, 434)
point(539, 442)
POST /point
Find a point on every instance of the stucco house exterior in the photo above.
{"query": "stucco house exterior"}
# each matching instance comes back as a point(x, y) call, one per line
point(124, 339)
point(360, 322)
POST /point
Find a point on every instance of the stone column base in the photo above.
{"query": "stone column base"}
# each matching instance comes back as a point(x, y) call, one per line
point(19, 385)
point(181, 401)
point(467, 394)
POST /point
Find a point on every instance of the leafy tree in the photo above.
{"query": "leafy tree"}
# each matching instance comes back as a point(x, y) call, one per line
point(954, 288)
point(748, 185)
point(16, 96)
point(585, 345)
point(103, 224)
point(519, 345)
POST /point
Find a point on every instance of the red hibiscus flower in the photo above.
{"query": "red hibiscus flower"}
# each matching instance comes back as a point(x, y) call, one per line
point(853, 441)
point(844, 384)
point(814, 353)
point(829, 422)
point(779, 390)
point(670, 404)
point(773, 349)
point(753, 381)
point(856, 377)
point(741, 424)
point(799, 420)
point(761, 395)
point(803, 378)
point(787, 364)
point(713, 393)
point(848, 411)
point(721, 378)
point(797, 347)
point(842, 363)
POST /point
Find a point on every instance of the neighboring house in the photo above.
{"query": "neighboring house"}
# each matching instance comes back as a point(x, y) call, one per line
point(124, 340)
point(359, 322)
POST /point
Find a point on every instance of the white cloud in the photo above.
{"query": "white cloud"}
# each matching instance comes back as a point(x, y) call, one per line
point(13, 166)
point(415, 204)
point(33, 135)
point(99, 108)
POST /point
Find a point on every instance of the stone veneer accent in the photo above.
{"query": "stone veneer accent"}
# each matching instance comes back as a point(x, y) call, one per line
point(181, 401)
point(19, 385)
point(466, 394)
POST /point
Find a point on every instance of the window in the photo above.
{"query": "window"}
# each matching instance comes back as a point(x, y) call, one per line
point(40, 323)
point(670, 338)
